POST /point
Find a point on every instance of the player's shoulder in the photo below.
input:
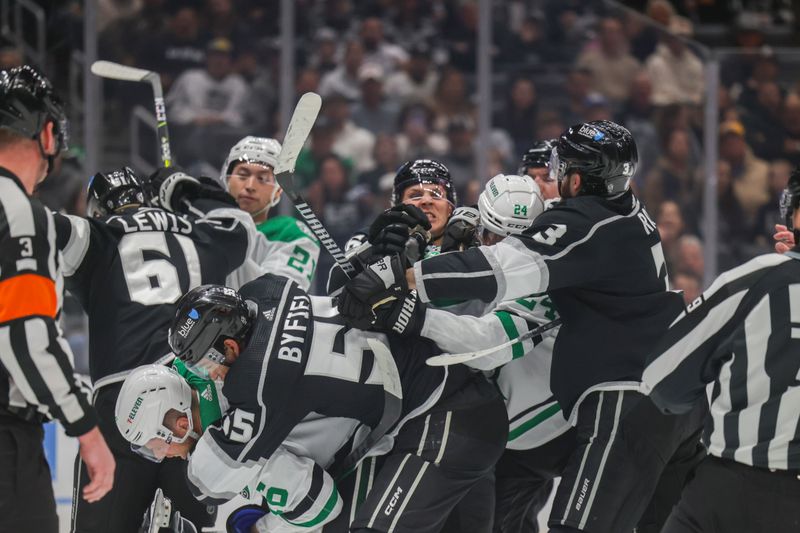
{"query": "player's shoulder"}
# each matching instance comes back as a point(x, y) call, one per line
point(286, 229)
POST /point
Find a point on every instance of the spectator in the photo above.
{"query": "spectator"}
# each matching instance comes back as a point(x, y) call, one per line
point(791, 122)
point(764, 122)
point(324, 56)
point(676, 73)
point(386, 162)
point(377, 50)
point(182, 47)
point(669, 220)
point(690, 285)
point(307, 81)
point(208, 107)
point(597, 107)
point(737, 231)
point(341, 208)
point(124, 36)
point(637, 116)
point(417, 81)
point(451, 99)
point(461, 35)
point(576, 90)
point(261, 81)
point(611, 65)
point(550, 125)
point(316, 150)
point(526, 48)
point(750, 174)
point(416, 139)
point(10, 57)
point(690, 256)
point(344, 78)
point(414, 21)
point(519, 115)
point(349, 141)
point(223, 21)
point(674, 177)
point(460, 156)
point(374, 112)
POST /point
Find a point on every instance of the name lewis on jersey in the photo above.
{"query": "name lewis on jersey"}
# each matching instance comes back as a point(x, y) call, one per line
point(152, 220)
point(295, 325)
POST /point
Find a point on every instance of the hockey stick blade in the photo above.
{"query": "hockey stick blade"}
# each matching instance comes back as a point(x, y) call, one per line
point(305, 113)
point(392, 406)
point(447, 359)
point(115, 71)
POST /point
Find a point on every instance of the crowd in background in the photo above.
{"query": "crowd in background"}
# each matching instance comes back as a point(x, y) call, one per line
point(398, 81)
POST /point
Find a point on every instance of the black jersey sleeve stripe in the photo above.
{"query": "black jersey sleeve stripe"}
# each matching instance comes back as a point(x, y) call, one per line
point(455, 275)
point(314, 492)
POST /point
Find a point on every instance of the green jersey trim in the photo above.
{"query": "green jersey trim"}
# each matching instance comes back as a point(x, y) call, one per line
point(517, 350)
point(285, 229)
point(210, 411)
point(330, 505)
point(533, 422)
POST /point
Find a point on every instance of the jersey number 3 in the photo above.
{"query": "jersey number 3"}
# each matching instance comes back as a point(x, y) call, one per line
point(151, 274)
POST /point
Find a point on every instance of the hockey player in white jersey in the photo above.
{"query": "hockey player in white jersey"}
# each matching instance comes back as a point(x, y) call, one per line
point(288, 248)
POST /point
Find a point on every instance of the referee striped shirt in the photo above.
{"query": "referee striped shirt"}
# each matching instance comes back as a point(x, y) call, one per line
point(36, 373)
point(742, 336)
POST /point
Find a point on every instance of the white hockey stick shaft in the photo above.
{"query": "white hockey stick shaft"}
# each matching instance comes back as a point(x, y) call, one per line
point(447, 359)
point(115, 71)
point(296, 134)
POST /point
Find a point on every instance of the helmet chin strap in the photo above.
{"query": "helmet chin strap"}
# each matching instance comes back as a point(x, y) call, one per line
point(273, 201)
point(49, 158)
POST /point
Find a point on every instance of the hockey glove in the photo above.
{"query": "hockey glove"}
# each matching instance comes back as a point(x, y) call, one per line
point(462, 230)
point(389, 232)
point(381, 281)
point(168, 188)
point(241, 520)
point(404, 316)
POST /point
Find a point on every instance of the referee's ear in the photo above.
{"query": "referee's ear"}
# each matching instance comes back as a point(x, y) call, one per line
point(48, 138)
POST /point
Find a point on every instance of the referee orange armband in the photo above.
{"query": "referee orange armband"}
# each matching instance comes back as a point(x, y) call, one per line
point(27, 295)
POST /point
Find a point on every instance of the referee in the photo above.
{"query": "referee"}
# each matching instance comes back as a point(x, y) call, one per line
point(36, 376)
point(743, 336)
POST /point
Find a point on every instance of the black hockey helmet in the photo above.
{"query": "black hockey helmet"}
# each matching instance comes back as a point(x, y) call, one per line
point(423, 171)
point(113, 192)
point(603, 152)
point(537, 156)
point(28, 102)
point(206, 316)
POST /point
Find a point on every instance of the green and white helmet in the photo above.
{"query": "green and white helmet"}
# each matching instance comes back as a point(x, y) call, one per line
point(509, 203)
point(258, 150)
point(148, 394)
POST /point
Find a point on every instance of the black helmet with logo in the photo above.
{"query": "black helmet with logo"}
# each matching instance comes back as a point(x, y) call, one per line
point(537, 156)
point(423, 171)
point(602, 152)
point(206, 316)
point(112, 192)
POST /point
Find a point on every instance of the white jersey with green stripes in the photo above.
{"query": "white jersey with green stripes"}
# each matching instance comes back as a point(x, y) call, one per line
point(288, 248)
point(522, 371)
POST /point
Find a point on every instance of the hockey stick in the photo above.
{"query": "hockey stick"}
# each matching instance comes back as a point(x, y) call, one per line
point(296, 134)
point(115, 71)
point(447, 359)
point(392, 407)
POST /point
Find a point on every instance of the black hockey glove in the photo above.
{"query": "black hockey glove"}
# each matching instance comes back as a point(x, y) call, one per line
point(462, 230)
point(168, 188)
point(380, 282)
point(389, 232)
point(404, 316)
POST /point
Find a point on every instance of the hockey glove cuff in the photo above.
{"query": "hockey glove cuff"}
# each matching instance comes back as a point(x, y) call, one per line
point(241, 520)
point(462, 230)
point(380, 282)
point(404, 316)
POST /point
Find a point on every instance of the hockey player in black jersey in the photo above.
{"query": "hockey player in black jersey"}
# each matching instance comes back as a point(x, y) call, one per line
point(298, 384)
point(598, 255)
point(128, 264)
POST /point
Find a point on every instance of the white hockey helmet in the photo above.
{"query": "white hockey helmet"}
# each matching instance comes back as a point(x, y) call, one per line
point(509, 204)
point(258, 150)
point(147, 395)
